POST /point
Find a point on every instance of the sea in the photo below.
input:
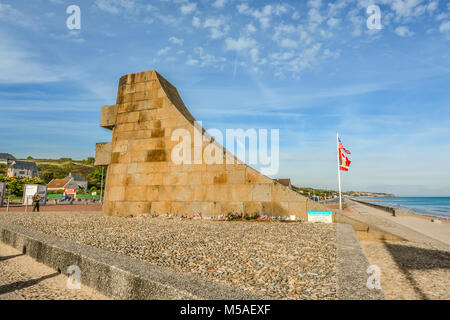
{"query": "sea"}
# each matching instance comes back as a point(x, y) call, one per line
point(432, 206)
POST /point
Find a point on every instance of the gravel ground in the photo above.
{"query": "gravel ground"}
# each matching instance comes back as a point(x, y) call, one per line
point(21, 277)
point(277, 260)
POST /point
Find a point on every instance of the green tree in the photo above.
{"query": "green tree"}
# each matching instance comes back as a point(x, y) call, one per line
point(89, 160)
point(47, 176)
point(67, 167)
point(96, 177)
point(15, 185)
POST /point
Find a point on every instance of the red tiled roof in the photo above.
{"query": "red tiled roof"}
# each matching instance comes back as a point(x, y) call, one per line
point(57, 183)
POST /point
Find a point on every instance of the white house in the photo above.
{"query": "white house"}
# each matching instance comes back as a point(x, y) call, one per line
point(6, 158)
point(23, 169)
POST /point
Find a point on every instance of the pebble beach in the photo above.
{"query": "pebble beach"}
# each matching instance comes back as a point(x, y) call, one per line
point(272, 259)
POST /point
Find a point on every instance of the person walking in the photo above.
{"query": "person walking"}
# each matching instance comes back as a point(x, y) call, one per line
point(36, 200)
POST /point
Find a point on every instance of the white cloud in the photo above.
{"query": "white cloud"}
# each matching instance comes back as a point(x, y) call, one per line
point(289, 43)
point(167, 19)
point(220, 3)
point(314, 16)
point(282, 56)
point(188, 8)
point(282, 30)
point(243, 8)
point(217, 26)
point(306, 59)
point(445, 26)
point(192, 62)
point(403, 31)
point(263, 15)
point(217, 33)
point(116, 6)
point(214, 22)
point(432, 6)
point(315, 3)
point(18, 64)
point(196, 22)
point(407, 8)
point(243, 43)
point(14, 16)
point(177, 41)
point(333, 22)
point(358, 23)
point(250, 28)
point(441, 16)
point(163, 51)
point(205, 59)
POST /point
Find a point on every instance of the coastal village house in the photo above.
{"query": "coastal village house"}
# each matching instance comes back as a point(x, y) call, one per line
point(23, 169)
point(6, 158)
point(61, 184)
point(80, 181)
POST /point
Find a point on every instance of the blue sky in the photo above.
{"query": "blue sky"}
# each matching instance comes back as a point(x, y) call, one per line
point(308, 68)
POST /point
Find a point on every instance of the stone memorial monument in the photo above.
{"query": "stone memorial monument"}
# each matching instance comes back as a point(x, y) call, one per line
point(142, 176)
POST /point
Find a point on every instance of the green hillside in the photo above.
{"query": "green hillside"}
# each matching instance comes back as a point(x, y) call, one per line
point(60, 168)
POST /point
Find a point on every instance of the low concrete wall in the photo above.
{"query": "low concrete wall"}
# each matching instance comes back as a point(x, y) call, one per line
point(352, 267)
point(391, 210)
point(115, 275)
point(364, 230)
point(396, 212)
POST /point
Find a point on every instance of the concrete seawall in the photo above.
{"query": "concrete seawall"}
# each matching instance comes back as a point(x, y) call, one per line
point(392, 210)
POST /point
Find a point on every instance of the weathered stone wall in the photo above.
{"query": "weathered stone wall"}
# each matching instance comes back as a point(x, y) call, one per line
point(142, 178)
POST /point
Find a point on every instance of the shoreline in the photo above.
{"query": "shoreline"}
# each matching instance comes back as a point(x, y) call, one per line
point(428, 217)
point(410, 211)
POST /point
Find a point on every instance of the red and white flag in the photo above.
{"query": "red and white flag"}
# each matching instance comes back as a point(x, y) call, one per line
point(344, 161)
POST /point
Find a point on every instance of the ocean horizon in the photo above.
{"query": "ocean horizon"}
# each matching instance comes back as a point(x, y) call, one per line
point(432, 206)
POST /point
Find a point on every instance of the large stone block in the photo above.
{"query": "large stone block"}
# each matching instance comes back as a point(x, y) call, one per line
point(262, 192)
point(108, 116)
point(103, 154)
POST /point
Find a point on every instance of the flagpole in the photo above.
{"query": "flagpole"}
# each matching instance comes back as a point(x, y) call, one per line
point(339, 172)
